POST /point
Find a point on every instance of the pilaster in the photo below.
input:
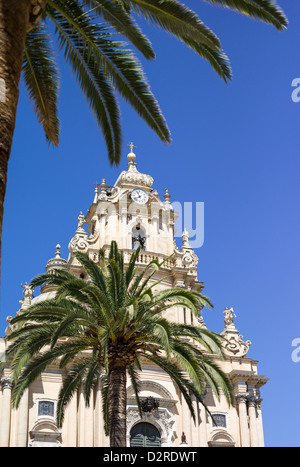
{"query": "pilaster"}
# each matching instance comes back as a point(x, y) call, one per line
point(5, 412)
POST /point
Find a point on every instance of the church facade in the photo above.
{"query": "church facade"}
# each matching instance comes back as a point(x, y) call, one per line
point(132, 213)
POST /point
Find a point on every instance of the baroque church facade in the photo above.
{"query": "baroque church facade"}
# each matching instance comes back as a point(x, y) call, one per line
point(132, 213)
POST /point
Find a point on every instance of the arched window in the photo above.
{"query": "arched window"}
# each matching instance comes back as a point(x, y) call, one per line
point(138, 238)
point(145, 435)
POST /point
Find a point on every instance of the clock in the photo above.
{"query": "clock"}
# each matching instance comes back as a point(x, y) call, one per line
point(139, 196)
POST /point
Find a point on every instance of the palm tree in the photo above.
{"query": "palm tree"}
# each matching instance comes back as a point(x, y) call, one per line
point(112, 323)
point(101, 64)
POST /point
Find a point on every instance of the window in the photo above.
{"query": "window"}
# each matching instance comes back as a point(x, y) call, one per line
point(160, 220)
point(46, 409)
point(219, 420)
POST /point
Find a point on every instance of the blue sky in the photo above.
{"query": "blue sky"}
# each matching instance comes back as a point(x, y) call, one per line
point(235, 147)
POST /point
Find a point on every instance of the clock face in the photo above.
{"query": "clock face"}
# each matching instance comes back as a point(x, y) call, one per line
point(139, 196)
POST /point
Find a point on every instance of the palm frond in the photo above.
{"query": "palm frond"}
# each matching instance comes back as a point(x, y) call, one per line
point(176, 375)
point(41, 80)
point(71, 383)
point(91, 78)
point(93, 270)
point(123, 23)
point(218, 59)
point(177, 19)
point(135, 381)
point(264, 10)
point(99, 61)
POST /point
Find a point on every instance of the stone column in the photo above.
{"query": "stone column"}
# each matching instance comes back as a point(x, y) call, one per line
point(125, 237)
point(186, 422)
point(203, 427)
point(81, 413)
point(195, 425)
point(154, 239)
point(86, 421)
point(252, 421)
point(22, 429)
point(72, 422)
point(243, 419)
point(89, 424)
point(5, 412)
point(259, 424)
point(98, 415)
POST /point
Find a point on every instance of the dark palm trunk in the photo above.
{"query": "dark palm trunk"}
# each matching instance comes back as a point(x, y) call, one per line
point(117, 406)
point(14, 22)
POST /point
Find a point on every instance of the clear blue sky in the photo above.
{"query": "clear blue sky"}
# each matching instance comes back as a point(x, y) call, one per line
point(235, 148)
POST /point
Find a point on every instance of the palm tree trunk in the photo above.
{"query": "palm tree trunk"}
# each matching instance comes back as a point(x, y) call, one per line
point(117, 406)
point(14, 21)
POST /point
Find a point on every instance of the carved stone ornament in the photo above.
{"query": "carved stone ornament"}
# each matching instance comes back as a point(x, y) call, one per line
point(189, 259)
point(81, 241)
point(233, 346)
point(148, 404)
point(162, 419)
point(6, 382)
point(186, 257)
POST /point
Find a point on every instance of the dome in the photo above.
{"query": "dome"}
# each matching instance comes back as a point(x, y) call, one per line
point(131, 176)
point(42, 297)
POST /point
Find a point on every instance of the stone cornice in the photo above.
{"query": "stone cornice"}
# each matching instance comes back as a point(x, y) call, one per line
point(248, 377)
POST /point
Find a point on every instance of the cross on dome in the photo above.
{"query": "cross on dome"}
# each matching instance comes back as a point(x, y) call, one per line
point(131, 146)
point(131, 156)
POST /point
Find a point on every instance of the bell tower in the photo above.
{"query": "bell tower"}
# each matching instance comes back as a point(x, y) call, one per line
point(132, 213)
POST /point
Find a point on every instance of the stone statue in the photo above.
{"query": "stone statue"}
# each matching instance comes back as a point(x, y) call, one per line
point(229, 316)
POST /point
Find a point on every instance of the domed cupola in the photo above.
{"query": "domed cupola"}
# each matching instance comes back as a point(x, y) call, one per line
point(57, 262)
point(132, 177)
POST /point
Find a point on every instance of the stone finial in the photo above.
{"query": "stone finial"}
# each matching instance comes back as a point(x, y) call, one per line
point(185, 238)
point(96, 192)
point(167, 197)
point(103, 192)
point(103, 186)
point(131, 156)
point(57, 253)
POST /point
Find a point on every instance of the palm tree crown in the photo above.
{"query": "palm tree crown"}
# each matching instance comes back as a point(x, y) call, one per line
point(110, 324)
point(89, 33)
point(86, 33)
